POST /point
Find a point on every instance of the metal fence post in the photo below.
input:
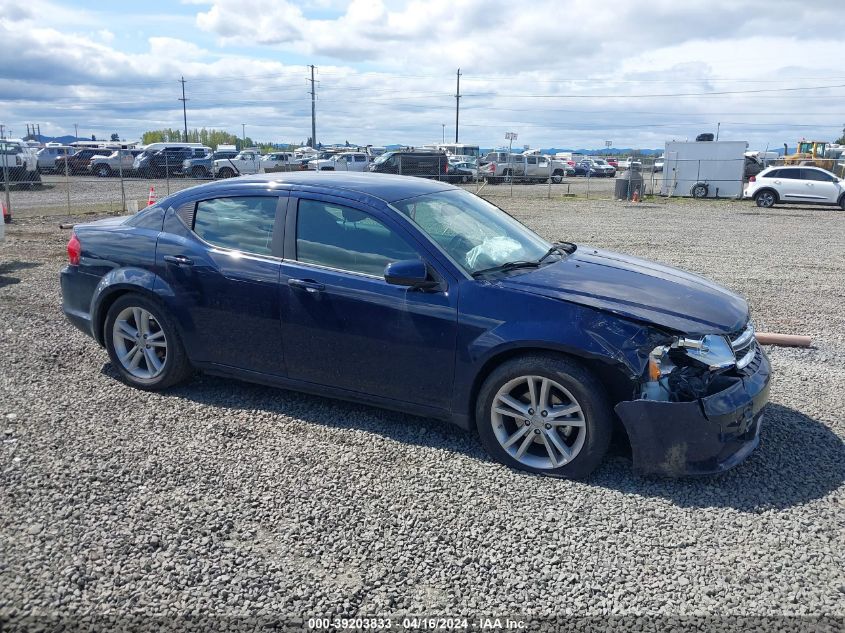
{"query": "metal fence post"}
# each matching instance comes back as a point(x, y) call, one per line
point(510, 169)
point(400, 164)
point(6, 184)
point(122, 189)
point(588, 183)
point(167, 170)
point(67, 180)
point(550, 179)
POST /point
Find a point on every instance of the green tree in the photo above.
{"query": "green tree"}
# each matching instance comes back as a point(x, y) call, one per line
point(841, 139)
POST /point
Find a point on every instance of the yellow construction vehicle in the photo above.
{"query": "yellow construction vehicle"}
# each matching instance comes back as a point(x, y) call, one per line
point(810, 153)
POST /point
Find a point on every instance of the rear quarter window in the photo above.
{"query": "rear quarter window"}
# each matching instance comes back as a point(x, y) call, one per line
point(239, 223)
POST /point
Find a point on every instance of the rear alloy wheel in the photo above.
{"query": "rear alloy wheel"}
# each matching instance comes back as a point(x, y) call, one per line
point(765, 199)
point(143, 344)
point(225, 172)
point(546, 415)
point(557, 177)
point(103, 171)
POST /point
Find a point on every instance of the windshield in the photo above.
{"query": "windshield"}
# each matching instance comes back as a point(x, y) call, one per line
point(9, 149)
point(381, 159)
point(474, 233)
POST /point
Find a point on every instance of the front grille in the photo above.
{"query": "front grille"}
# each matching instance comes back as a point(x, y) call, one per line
point(744, 346)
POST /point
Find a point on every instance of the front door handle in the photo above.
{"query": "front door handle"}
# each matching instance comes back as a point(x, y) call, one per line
point(306, 284)
point(179, 260)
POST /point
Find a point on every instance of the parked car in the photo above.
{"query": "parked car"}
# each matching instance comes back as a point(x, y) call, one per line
point(462, 172)
point(167, 161)
point(422, 163)
point(807, 185)
point(281, 161)
point(247, 161)
point(613, 163)
point(595, 168)
point(345, 161)
point(18, 163)
point(119, 161)
point(496, 167)
point(203, 166)
point(416, 295)
point(47, 156)
point(658, 163)
point(628, 163)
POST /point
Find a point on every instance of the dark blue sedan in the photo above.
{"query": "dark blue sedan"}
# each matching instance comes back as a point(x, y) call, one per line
point(418, 296)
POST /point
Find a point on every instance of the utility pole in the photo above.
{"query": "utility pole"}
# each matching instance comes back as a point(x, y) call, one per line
point(457, 105)
point(313, 110)
point(75, 132)
point(2, 131)
point(718, 125)
point(184, 108)
point(243, 135)
point(444, 133)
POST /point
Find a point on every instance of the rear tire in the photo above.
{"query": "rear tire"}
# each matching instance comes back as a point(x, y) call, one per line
point(144, 344)
point(699, 191)
point(103, 171)
point(199, 172)
point(766, 199)
point(557, 177)
point(225, 172)
point(537, 438)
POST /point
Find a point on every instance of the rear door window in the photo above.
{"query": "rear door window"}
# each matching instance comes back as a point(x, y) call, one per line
point(793, 174)
point(239, 223)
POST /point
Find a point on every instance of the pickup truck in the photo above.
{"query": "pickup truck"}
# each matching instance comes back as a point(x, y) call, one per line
point(346, 161)
point(246, 162)
point(498, 167)
point(119, 161)
point(18, 163)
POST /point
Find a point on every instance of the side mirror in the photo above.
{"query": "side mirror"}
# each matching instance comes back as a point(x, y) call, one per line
point(409, 272)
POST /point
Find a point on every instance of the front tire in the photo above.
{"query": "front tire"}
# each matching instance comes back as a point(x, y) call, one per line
point(225, 172)
point(545, 414)
point(144, 345)
point(765, 199)
point(103, 171)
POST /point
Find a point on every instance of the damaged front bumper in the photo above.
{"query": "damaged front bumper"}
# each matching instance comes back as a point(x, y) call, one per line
point(705, 436)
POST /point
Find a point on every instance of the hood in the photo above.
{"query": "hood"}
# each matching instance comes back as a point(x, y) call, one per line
point(638, 289)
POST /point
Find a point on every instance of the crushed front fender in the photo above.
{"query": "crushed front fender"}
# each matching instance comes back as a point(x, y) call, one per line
point(709, 435)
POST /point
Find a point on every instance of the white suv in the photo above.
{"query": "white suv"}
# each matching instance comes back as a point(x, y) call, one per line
point(802, 184)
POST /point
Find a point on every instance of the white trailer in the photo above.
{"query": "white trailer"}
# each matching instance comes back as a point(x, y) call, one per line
point(704, 169)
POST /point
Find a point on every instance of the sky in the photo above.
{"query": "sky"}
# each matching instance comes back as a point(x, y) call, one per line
point(566, 73)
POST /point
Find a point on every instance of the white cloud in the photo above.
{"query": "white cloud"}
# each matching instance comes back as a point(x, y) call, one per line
point(386, 70)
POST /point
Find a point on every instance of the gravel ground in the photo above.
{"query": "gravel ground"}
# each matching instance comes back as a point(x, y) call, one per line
point(221, 500)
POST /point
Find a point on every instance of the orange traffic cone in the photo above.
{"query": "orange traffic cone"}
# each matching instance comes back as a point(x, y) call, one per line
point(151, 200)
point(5, 217)
point(636, 196)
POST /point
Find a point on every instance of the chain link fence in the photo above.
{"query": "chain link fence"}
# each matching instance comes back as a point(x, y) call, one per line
point(102, 180)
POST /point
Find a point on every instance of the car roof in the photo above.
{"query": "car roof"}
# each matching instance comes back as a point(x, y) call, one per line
point(387, 187)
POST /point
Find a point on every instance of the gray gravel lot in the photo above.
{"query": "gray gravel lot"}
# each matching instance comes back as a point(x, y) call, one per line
point(223, 499)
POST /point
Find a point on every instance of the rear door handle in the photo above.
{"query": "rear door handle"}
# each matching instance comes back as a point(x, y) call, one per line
point(306, 284)
point(179, 260)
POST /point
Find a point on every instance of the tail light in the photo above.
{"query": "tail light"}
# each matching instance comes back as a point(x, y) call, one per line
point(752, 179)
point(493, 168)
point(74, 250)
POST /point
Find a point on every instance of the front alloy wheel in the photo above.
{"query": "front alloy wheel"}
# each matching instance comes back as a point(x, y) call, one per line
point(538, 422)
point(545, 413)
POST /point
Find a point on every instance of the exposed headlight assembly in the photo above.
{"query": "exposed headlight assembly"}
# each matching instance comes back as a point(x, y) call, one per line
point(713, 350)
point(708, 354)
